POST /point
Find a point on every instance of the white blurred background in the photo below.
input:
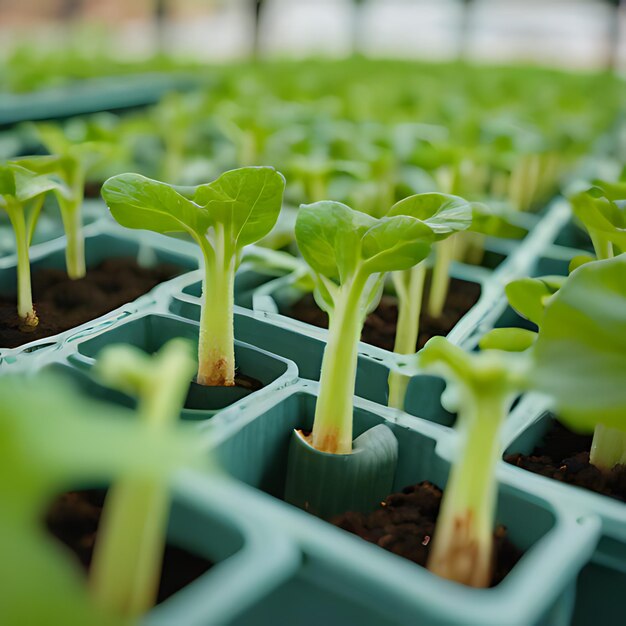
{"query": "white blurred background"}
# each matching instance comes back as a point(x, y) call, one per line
point(570, 33)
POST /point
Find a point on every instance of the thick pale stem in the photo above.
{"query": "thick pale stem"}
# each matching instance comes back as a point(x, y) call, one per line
point(124, 574)
point(463, 542)
point(25, 308)
point(410, 289)
point(440, 282)
point(608, 448)
point(332, 427)
point(216, 343)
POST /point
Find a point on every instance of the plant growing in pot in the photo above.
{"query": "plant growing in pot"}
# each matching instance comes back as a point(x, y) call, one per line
point(222, 217)
point(72, 161)
point(349, 253)
point(55, 439)
point(22, 193)
point(578, 360)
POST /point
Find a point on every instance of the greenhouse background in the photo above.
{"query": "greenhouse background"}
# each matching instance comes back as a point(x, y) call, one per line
point(571, 33)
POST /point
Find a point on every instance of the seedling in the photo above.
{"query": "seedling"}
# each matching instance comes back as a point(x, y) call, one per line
point(73, 162)
point(445, 215)
point(485, 386)
point(349, 253)
point(22, 193)
point(222, 217)
point(55, 439)
point(602, 210)
point(484, 221)
point(580, 356)
point(129, 547)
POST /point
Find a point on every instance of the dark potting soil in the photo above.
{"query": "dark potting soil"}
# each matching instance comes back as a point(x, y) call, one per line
point(380, 326)
point(405, 522)
point(73, 519)
point(61, 303)
point(564, 455)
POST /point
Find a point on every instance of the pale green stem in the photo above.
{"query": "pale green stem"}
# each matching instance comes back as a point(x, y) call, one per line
point(608, 448)
point(332, 427)
point(317, 187)
point(216, 342)
point(463, 541)
point(124, 574)
point(410, 290)
point(75, 244)
point(475, 248)
point(25, 308)
point(602, 245)
point(440, 283)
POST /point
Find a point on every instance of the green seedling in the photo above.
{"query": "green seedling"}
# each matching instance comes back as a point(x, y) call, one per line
point(580, 356)
point(445, 215)
point(485, 386)
point(602, 211)
point(22, 193)
point(485, 221)
point(350, 253)
point(73, 161)
point(222, 217)
point(55, 439)
point(124, 574)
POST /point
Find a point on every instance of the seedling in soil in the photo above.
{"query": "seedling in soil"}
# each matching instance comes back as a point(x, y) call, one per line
point(131, 537)
point(72, 161)
point(350, 253)
point(445, 215)
point(485, 385)
point(53, 440)
point(580, 356)
point(485, 221)
point(222, 217)
point(22, 193)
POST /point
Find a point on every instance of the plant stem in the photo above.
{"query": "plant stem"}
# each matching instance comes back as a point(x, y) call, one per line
point(440, 282)
point(332, 427)
point(127, 557)
point(463, 541)
point(25, 308)
point(608, 448)
point(75, 244)
point(601, 245)
point(216, 343)
point(410, 289)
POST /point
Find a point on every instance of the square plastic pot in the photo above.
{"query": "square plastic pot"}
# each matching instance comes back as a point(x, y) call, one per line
point(250, 559)
point(539, 590)
point(103, 240)
point(149, 332)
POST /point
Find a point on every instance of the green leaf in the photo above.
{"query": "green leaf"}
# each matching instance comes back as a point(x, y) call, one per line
point(396, 243)
point(445, 214)
point(509, 339)
point(528, 296)
point(580, 260)
point(246, 200)
point(601, 213)
point(580, 355)
point(495, 223)
point(329, 237)
point(142, 203)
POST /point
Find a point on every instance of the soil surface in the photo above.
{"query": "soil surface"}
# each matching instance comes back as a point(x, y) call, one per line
point(380, 326)
point(564, 455)
point(73, 519)
point(405, 522)
point(62, 303)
